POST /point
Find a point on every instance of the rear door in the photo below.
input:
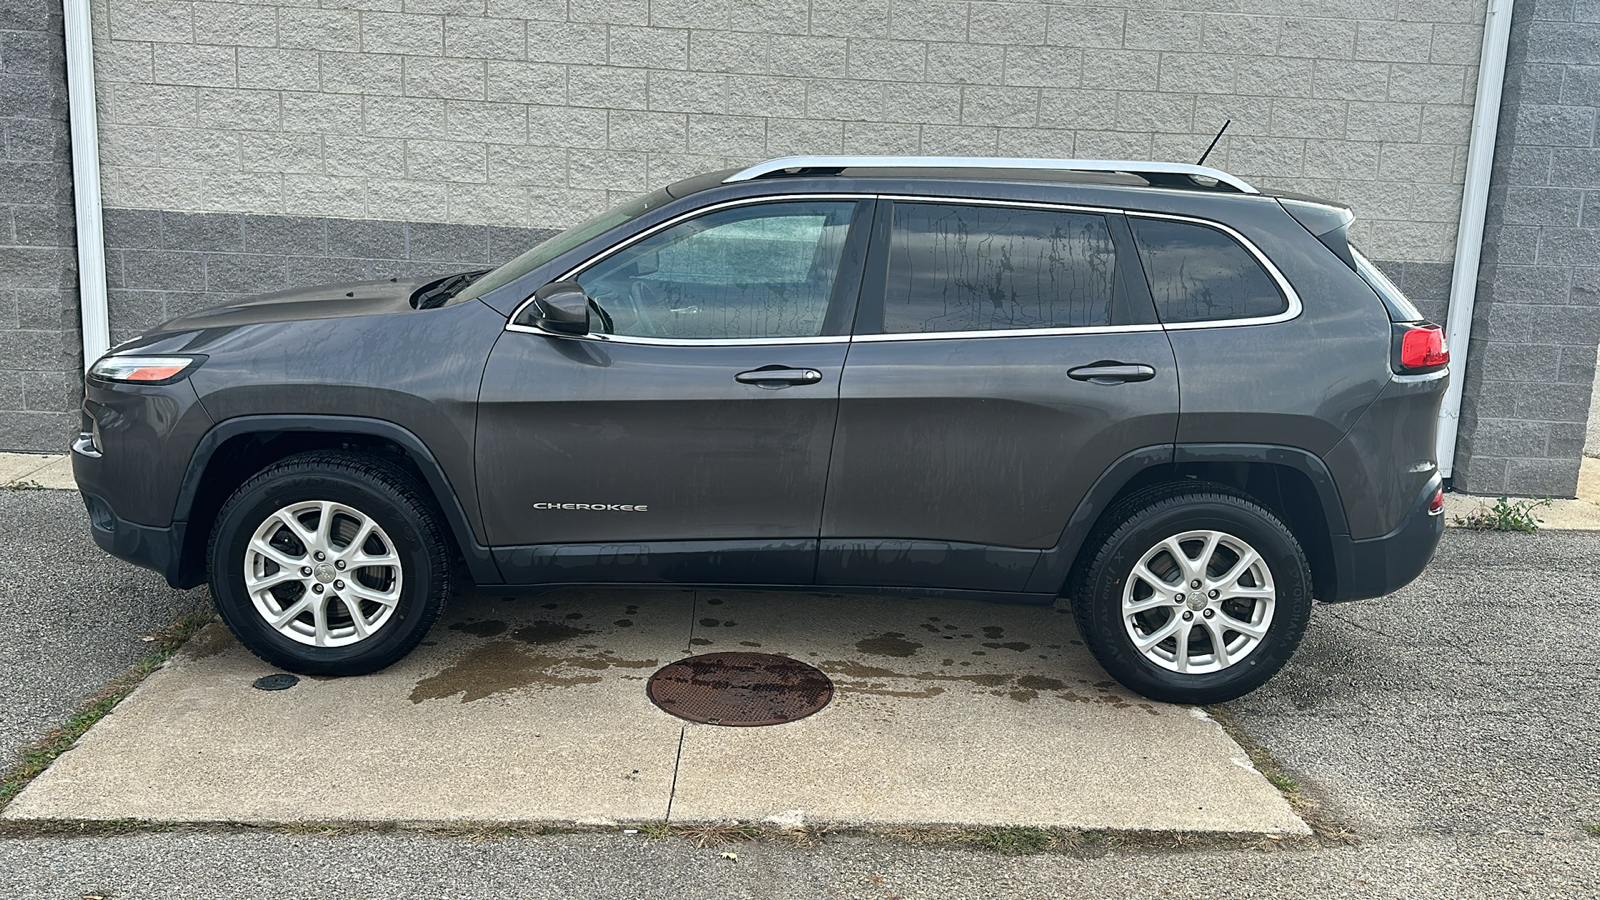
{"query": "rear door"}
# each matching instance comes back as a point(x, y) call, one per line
point(1004, 356)
point(687, 439)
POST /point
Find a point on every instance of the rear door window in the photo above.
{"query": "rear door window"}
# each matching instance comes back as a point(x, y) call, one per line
point(1198, 273)
point(956, 268)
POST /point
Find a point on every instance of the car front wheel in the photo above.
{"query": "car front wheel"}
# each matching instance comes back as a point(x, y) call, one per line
point(329, 564)
point(1197, 595)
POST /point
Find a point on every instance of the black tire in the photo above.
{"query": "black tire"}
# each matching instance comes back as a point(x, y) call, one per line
point(405, 524)
point(1138, 526)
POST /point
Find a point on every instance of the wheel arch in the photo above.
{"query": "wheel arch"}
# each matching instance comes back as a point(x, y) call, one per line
point(235, 449)
point(1292, 483)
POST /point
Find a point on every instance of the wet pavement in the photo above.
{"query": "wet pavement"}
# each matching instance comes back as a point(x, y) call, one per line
point(534, 710)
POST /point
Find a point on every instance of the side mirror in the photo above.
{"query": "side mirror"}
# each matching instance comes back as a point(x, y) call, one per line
point(561, 307)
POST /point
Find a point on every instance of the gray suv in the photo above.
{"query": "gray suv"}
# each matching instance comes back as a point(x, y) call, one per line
point(1184, 406)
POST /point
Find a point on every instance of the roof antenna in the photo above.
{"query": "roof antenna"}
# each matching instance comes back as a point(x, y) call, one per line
point(1214, 142)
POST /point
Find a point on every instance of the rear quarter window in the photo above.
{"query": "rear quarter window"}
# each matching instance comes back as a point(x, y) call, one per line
point(1198, 273)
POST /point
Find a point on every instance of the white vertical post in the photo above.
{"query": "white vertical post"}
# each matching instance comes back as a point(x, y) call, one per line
point(86, 180)
point(1469, 234)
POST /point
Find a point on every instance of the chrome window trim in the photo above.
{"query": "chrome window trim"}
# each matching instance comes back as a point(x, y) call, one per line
point(662, 226)
point(1293, 297)
point(1001, 333)
point(1125, 166)
point(1294, 310)
point(597, 337)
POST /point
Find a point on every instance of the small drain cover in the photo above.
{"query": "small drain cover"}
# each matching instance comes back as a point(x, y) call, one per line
point(278, 682)
point(740, 689)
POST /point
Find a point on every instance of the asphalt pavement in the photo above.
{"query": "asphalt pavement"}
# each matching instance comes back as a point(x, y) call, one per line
point(1453, 729)
point(71, 617)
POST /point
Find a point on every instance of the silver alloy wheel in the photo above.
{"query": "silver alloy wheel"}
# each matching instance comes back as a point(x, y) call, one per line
point(322, 573)
point(1198, 602)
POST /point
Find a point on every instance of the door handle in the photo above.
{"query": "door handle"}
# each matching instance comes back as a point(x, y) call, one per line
point(1112, 373)
point(777, 376)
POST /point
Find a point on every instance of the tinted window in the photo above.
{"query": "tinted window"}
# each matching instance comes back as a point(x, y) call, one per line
point(1200, 274)
point(982, 268)
point(747, 272)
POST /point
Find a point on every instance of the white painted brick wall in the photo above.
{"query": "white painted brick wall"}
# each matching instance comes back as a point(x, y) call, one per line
point(538, 112)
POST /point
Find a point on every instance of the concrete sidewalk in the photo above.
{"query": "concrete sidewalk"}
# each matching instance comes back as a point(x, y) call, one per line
point(534, 711)
point(53, 471)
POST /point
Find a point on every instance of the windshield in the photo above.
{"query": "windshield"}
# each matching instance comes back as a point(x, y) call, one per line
point(561, 243)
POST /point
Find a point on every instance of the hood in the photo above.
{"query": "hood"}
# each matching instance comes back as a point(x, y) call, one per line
point(328, 301)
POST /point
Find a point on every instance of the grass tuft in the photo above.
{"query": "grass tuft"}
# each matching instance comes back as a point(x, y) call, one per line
point(37, 758)
point(1015, 841)
point(22, 486)
point(1283, 782)
point(1593, 828)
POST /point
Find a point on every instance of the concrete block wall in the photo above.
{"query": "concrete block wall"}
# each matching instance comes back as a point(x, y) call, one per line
point(1536, 323)
point(39, 343)
point(535, 113)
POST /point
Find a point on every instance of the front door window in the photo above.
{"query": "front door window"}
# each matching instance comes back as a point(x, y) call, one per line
point(763, 271)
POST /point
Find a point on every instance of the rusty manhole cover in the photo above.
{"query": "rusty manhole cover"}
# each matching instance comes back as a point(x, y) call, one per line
point(740, 689)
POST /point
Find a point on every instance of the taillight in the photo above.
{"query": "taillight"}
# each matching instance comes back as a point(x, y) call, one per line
point(1422, 347)
point(1436, 505)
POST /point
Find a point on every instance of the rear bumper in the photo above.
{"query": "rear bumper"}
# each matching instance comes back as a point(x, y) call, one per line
point(1382, 565)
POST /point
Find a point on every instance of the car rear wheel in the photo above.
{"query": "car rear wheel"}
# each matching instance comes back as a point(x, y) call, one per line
point(329, 564)
point(1195, 595)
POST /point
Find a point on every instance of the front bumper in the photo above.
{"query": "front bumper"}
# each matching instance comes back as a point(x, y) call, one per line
point(1382, 565)
point(160, 549)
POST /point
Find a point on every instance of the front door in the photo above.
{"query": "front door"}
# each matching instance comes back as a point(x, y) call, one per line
point(1004, 357)
point(687, 438)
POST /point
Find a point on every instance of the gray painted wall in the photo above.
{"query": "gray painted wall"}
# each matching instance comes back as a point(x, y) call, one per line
point(39, 344)
point(1536, 323)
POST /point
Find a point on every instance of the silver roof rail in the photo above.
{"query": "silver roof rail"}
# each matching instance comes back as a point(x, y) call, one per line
point(1158, 173)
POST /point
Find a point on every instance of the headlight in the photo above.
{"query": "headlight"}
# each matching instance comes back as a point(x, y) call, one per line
point(145, 369)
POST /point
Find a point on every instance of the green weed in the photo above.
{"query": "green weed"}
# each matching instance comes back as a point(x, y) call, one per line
point(1505, 515)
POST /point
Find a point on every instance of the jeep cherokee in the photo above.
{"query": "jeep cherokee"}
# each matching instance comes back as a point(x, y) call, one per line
point(1182, 405)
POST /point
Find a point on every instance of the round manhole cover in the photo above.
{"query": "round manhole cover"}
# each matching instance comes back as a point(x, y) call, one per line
point(740, 689)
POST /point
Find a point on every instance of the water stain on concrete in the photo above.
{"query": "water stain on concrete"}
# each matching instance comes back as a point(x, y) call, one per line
point(994, 632)
point(1008, 645)
point(484, 629)
point(890, 643)
point(607, 661)
point(857, 677)
point(623, 623)
point(700, 642)
point(543, 632)
point(495, 668)
point(710, 623)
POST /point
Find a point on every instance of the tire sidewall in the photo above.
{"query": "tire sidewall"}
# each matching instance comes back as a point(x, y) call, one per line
point(253, 504)
point(1229, 515)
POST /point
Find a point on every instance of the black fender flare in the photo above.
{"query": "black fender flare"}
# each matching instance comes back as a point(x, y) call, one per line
point(480, 562)
point(1055, 564)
